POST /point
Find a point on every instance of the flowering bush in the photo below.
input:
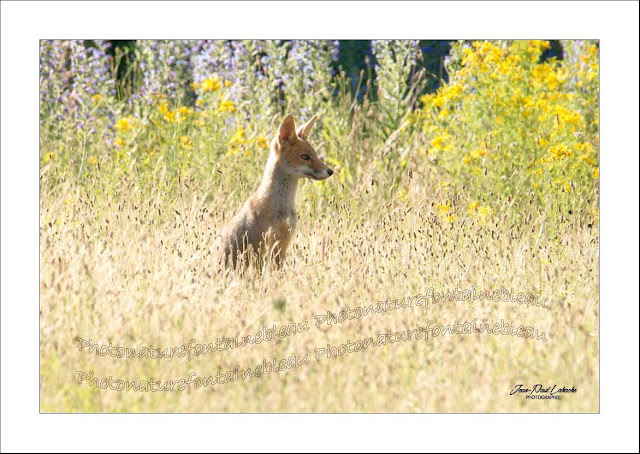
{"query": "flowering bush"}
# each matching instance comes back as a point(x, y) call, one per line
point(511, 123)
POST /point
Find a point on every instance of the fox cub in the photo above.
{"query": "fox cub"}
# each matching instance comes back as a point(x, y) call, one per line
point(265, 225)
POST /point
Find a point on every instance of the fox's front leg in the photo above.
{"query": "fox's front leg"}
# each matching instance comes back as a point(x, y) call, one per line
point(283, 245)
point(277, 244)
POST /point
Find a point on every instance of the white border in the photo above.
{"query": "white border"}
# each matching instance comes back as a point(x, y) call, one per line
point(615, 429)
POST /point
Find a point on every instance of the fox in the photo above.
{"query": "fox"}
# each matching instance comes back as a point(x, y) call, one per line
point(265, 225)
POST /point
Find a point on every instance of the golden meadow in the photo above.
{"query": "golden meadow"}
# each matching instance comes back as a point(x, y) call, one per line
point(488, 182)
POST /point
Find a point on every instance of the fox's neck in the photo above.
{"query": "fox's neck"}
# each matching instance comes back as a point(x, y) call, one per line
point(278, 189)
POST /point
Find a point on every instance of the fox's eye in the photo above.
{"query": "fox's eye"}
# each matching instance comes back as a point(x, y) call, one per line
point(305, 157)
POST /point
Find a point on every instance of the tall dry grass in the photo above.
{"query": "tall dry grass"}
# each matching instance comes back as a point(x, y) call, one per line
point(140, 274)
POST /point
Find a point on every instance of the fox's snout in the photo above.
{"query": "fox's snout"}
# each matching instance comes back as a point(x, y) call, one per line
point(317, 169)
point(322, 174)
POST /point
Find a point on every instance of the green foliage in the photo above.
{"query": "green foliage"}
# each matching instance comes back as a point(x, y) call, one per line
point(506, 125)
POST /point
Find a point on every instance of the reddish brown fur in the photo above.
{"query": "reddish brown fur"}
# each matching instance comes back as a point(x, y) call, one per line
point(265, 225)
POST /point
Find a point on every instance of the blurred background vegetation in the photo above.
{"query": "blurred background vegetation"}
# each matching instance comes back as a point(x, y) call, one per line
point(478, 122)
point(354, 57)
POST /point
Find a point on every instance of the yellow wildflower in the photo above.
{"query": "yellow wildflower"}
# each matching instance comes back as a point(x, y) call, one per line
point(238, 138)
point(473, 207)
point(451, 92)
point(167, 114)
point(211, 85)
point(444, 208)
point(226, 106)
point(444, 113)
point(185, 142)
point(433, 100)
point(440, 142)
point(125, 124)
point(560, 151)
point(261, 142)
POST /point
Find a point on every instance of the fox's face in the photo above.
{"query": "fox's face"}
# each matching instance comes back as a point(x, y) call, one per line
point(294, 155)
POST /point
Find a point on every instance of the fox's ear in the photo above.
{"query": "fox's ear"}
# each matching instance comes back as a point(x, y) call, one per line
point(305, 129)
point(287, 130)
